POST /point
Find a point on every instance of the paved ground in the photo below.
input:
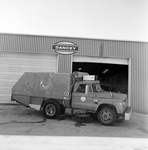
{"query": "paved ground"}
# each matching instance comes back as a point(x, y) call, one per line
point(29, 129)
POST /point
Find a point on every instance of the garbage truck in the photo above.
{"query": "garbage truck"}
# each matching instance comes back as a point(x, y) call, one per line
point(78, 92)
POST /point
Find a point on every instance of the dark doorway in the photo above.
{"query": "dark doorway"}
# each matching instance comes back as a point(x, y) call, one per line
point(113, 77)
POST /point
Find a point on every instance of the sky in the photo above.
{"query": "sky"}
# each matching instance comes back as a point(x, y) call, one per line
point(98, 19)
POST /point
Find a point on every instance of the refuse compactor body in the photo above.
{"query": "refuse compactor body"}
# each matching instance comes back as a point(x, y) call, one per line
point(34, 88)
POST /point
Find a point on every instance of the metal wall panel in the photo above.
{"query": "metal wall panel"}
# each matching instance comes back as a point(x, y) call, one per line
point(27, 43)
point(43, 44)
point(64, 64)
point(88, 47)
point(13, 65)
point(139, 69)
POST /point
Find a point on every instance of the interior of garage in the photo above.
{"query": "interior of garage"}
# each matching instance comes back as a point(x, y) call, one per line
point(113, 77)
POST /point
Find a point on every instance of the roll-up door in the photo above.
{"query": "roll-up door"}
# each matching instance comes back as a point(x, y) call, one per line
point(110, 60)
point(13, 65)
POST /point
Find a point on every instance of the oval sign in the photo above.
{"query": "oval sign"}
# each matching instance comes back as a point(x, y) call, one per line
point(65, 48)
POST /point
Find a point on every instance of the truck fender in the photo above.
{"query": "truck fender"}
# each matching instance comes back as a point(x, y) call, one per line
point(105, 105)
point(58, 101)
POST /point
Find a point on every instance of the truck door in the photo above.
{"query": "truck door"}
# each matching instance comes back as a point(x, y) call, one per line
point(82, 97)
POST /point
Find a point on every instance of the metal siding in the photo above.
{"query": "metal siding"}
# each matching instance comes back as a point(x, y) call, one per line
point(138, 54)
point(88, 47)
point(64, 64)
point(146, 77)
point(43, 44)
point(24, 43)
point(13, 65)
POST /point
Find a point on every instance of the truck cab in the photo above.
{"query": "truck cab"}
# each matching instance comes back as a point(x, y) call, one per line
point(89, 96)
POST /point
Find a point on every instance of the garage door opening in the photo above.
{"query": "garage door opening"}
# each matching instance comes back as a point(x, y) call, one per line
point(113, 77)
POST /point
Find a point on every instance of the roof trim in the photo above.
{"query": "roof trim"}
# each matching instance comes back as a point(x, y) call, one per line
point(82, 38)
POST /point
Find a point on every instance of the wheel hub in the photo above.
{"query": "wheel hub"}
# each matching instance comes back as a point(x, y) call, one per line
point(50, 110)
point(106, 116)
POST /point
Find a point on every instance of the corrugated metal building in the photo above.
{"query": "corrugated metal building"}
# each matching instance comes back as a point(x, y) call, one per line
point(21, 53)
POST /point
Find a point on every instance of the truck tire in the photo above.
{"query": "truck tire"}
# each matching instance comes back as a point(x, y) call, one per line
point(106, 116)
point(51, 109)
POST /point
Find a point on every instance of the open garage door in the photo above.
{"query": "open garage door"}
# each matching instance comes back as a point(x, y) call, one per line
point(113, 73)
point(13, 65)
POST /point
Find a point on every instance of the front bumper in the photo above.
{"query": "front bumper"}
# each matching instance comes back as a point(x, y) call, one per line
point(127, 113)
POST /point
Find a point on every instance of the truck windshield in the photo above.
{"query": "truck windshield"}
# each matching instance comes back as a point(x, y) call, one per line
point(96, 87)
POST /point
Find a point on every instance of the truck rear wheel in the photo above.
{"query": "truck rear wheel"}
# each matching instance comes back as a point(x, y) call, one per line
point(106, 116)
point(51, 109)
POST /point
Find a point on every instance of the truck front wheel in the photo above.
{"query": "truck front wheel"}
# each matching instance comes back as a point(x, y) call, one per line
point(106, 116)
point(51, 109)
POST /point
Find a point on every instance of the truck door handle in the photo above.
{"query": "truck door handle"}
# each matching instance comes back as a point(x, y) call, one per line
point(95, 100)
